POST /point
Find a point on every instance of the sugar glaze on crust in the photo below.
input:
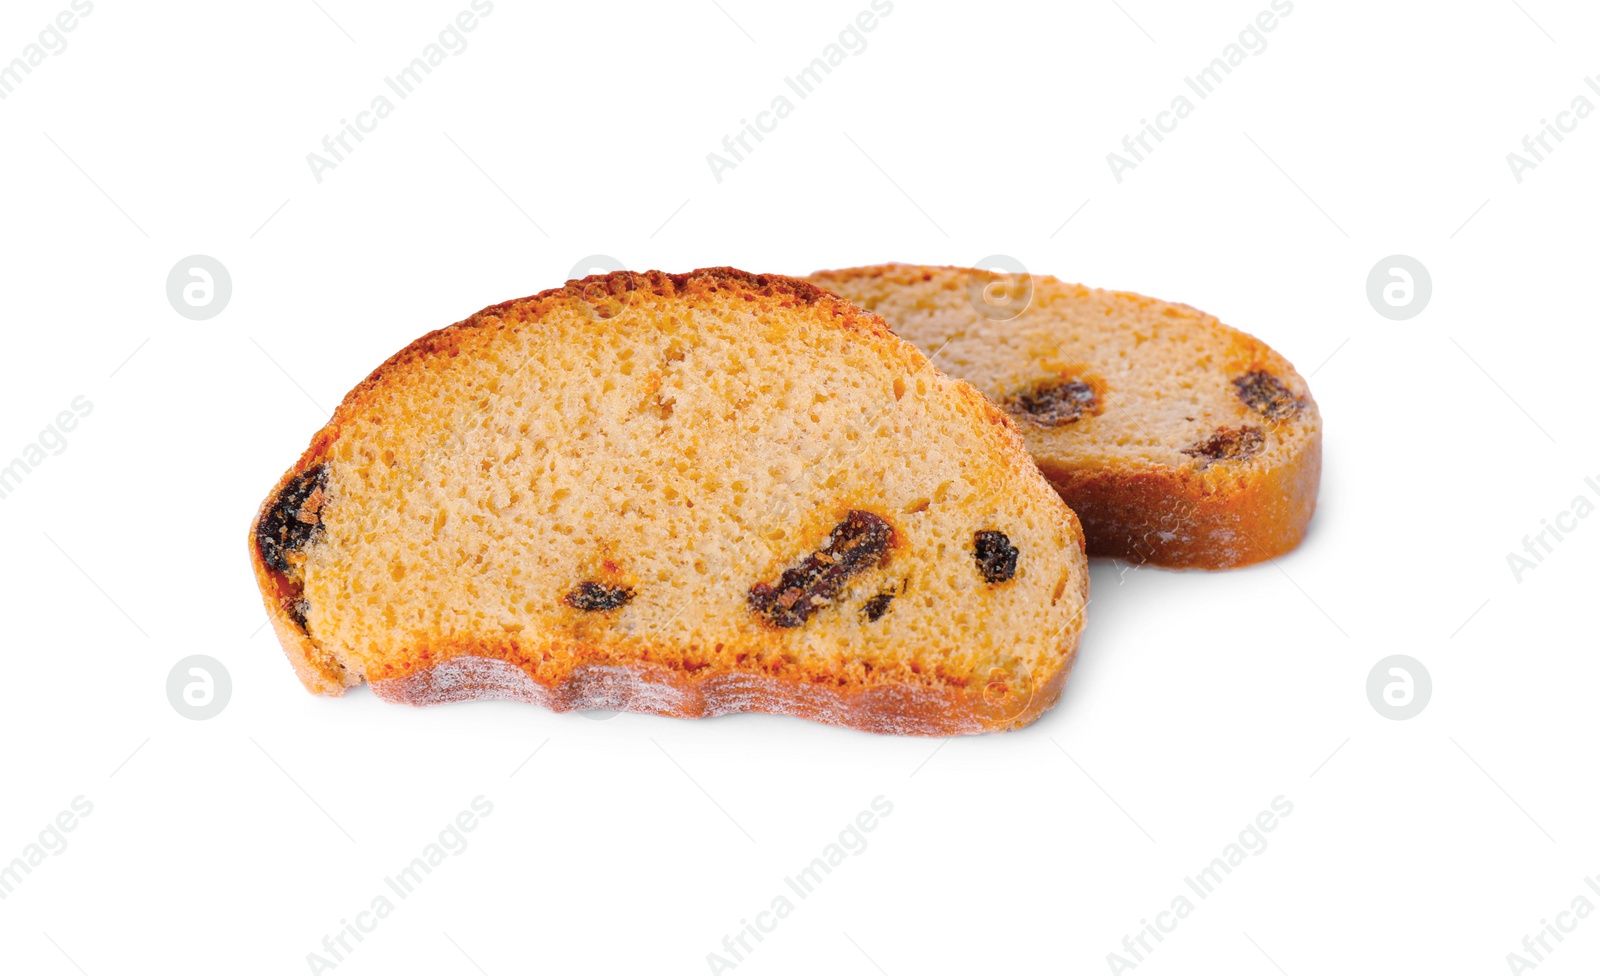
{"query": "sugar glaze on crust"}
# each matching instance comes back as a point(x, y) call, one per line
point(894, 709)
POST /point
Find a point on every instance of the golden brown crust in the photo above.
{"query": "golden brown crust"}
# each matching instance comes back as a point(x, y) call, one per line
point(1125, 513)
point(598, 291)
point(1176, 517)
point(913, 705)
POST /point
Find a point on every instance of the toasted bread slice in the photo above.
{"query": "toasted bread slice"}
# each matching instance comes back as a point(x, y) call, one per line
point(680, 494)
point(1177, 440)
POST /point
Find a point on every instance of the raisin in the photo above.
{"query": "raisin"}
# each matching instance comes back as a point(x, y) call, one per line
point(995, 555)
point(1229, 444)
point(855, 544)
point(1058, 403)
point(1267, 395)
point(877, 606)
point(298, 610)
point(589, 595)
point(294, 518)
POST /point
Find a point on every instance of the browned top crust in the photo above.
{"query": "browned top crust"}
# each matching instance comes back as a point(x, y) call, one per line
point(615, 286)
point(699, 280)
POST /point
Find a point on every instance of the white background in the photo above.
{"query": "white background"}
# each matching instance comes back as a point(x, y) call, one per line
point(636, 844)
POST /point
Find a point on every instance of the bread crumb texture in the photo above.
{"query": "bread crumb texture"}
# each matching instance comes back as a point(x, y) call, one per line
point(684, 494)
point(1177, 440)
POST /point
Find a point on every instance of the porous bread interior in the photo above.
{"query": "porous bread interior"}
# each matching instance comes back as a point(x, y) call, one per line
point(1166, 368)
point(685, 450)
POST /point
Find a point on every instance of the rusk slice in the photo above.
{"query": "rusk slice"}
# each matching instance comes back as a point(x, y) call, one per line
point(680, 494)
point(1177, 440)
